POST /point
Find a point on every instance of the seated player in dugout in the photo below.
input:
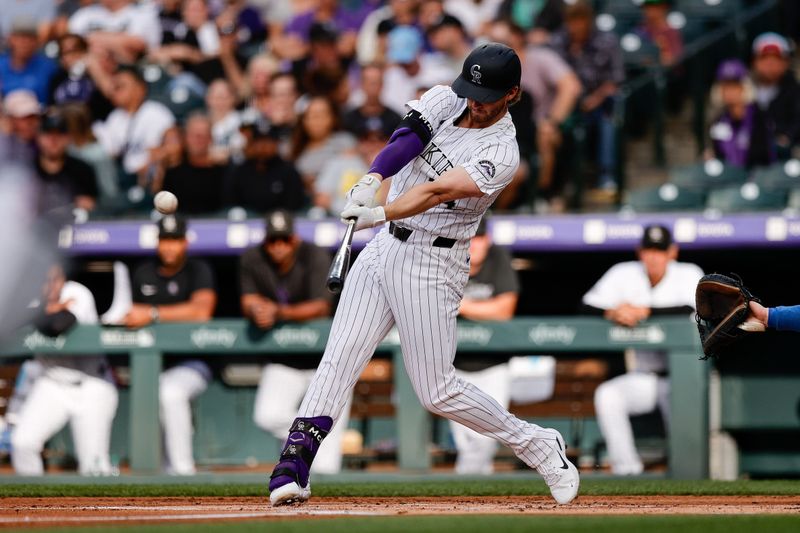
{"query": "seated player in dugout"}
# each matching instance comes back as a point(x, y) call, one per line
point(173, 287)
point(630, 292)
point(491, 293)
point(283, 280)
point(76, 389)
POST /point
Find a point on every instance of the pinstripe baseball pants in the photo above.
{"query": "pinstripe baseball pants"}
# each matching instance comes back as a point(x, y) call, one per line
point(418, 288)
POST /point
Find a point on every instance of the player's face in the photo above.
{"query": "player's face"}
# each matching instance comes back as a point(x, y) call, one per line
point(281, 249)
point(486, 114)
point(54, 283)
point(655, 261)
point(172, 252)
point(478, 249)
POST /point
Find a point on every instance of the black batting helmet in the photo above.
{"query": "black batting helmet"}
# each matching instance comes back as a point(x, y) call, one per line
point(489, 72)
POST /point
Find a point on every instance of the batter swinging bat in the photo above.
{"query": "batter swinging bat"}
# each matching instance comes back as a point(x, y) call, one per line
point(341, 261)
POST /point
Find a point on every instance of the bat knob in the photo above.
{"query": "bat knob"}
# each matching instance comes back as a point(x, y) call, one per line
point(335, 285)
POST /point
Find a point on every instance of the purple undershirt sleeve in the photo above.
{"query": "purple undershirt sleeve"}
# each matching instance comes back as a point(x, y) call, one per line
point(403, 146)
point(784, 318)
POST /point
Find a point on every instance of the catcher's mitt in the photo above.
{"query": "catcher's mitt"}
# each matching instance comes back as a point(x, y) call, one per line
point(723, 305)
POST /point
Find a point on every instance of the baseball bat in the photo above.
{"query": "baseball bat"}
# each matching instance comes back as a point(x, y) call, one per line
point(341, 261)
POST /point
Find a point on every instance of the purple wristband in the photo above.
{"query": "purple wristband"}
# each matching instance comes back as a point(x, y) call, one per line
point(403, 146)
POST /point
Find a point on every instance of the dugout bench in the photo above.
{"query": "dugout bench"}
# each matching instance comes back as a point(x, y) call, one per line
point(688, 450)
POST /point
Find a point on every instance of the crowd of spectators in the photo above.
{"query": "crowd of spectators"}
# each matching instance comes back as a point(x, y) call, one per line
point(295, 93)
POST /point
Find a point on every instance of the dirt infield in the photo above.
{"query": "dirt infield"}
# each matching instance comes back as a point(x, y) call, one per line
point(16, 512)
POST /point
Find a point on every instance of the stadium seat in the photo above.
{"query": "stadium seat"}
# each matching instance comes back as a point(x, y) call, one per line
point(637, 53)
point(667, 197)
point(793, 201)
point(780, 175)
point(747, 197)
point(708, 175)
point(157, 80)
point(709, 9)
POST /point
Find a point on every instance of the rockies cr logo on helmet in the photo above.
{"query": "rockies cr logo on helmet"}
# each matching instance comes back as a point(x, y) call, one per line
point(489, 73)
point(476, 74)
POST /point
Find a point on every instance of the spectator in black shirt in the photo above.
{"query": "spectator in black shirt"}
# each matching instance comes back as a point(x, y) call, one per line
point(596, 58)
point(776, 89)
point(65, 180)
point(175, 288)
point(264, 181)
point(197, 181)
point(372, 115)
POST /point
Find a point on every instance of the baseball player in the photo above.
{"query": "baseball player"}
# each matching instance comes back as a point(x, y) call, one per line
point(78, 389)
point(448, 159)
point(628, 293)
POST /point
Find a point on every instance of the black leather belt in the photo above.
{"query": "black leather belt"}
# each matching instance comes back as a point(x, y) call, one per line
point(402, 234)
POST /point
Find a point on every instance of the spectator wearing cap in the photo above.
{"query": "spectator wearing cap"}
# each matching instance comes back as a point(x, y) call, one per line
point(23, 112)
point(198, 179)
point(40, 14)
point(321, 71)
point(741, 134)
point(23, 67)
point(174, 287)
point(122, 27)
point(410, 68)
point(83, 78)
point(630, 292)
point(65, 180)
point(450, 44)
point(264, 180)
point(596, 58)
point(283, 281)
point(555, 89)
point(318, 138)
point(655, 28)
point(776, 89)
point(372, 114)
point(136, 126)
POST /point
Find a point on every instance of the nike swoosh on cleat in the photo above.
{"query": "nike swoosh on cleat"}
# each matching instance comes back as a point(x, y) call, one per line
point(563, 462)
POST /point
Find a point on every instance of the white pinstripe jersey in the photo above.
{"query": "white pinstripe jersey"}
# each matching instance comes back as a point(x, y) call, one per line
point(489, 155)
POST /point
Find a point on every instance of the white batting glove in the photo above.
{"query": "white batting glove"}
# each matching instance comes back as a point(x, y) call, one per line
point(366, 217)
point(363, 192)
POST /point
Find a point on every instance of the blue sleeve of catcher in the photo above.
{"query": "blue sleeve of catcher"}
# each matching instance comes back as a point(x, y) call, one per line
point(784, 318)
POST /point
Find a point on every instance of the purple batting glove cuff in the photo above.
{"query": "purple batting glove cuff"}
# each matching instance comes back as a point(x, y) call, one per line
point(403, 146)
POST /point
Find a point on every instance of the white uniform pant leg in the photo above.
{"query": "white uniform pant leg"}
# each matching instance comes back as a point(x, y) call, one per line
point(91, 419)
point(362, 320)
point(279, 393)
point(44, 412)
point(424, 286)
point(177, 387)
point(475, 451)
point(615, 401)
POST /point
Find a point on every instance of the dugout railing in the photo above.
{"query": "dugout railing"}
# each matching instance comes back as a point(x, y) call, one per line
point(687, 440)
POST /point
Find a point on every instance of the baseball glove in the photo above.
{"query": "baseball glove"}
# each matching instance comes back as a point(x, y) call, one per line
point(723, 307)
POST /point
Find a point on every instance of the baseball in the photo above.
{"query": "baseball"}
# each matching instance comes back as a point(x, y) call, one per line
point(166, 202)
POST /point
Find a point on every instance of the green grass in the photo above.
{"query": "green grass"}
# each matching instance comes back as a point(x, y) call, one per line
point(399, 488)
point(467, 524)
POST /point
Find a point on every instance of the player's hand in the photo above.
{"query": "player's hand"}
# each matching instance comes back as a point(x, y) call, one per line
point(264, 314)
point(757, 319)
point(366, 217)
point(138, 316)
point(363, 192)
